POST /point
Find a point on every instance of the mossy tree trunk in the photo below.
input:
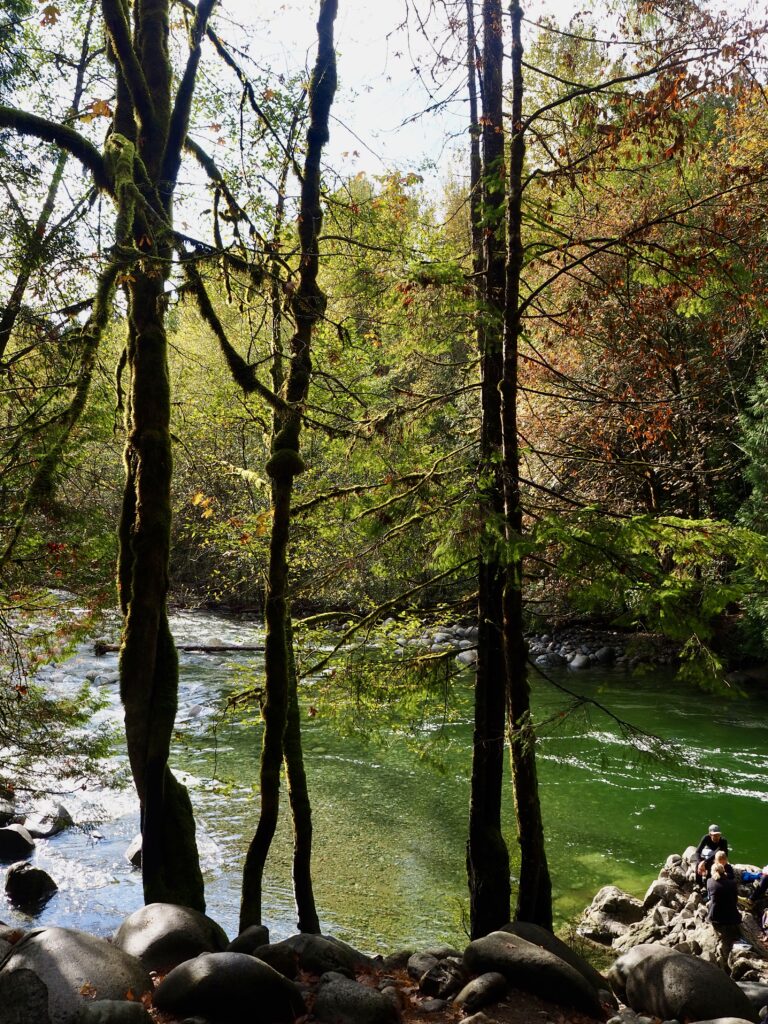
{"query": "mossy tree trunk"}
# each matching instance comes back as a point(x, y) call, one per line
point(139, 169)
point(308, 307)
point(534, 899)
point(151, 126)
point(487, 855)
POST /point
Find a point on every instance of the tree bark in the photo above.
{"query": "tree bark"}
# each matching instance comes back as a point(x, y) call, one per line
point(308, 306)
point(144, 159)
point(487, 855)
point(301, 808)
point(534, 898)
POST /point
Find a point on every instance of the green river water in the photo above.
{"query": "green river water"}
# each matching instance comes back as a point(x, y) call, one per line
point(390, 830)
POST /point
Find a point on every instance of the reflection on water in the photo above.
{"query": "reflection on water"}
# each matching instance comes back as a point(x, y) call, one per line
point(390, 833)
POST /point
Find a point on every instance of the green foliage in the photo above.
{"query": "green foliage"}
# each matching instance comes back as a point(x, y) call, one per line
point(665, 574)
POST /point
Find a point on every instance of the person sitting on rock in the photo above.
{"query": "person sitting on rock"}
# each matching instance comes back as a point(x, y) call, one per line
point(721, 857)
point(713, 841)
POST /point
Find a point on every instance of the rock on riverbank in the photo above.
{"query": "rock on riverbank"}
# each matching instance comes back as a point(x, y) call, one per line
point(728, 970)
point(574, 647)
point(176, 965)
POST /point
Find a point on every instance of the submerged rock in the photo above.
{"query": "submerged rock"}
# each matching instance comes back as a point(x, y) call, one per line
point(15, 843)
point(29, 888)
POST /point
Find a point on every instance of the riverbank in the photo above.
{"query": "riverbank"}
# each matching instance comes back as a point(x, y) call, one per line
point(167, 964)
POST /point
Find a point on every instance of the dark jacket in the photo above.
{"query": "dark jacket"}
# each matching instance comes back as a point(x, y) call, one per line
point(723, 905)
point(707, 848)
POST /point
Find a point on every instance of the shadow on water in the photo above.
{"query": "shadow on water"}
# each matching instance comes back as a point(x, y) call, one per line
point(390, 832)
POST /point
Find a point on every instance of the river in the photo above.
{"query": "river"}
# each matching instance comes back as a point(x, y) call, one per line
point(390, 827)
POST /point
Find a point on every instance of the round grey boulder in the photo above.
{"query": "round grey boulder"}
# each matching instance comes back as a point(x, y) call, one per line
point(579, 661)
point(48, 821)
point(15, 843)
point(419, 963)
point(619, 905)
point(653, 979)
point(51, 972)
point(317, 954)
point(541, 937)
point(229, 988)
point(340, 1000)
point(533, 969)
point(485, 989)
point(250, 939)
point(163, 935)
point(29, 888)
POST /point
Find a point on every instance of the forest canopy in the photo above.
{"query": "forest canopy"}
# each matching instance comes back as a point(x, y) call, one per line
point(514, 379)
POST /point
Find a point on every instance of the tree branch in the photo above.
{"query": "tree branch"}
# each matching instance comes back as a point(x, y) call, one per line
point(65, 138)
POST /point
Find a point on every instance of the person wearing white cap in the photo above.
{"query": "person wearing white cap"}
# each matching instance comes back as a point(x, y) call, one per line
point(713, 841)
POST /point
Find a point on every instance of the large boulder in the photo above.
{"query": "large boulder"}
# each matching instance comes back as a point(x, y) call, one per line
point(533, 969)
point(662, 890)
point(229, 988)
point(314, 953)
point(340, 1000)
point(29, 888)
point(619, 905)
point(653, 979)
point(163, 935)
point(541, 937)
point(48, 821)
point(50, 973)
point(609, 915)
point(15, 843)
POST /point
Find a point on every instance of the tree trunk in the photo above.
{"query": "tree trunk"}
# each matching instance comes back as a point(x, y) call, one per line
point(487, 855)
point(148, 661)
point(534, 899)
point(150, 124)
point(301, 809)
point(308, 306)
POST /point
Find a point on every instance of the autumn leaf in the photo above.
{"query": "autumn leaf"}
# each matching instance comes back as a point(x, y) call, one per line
point(50, 15)
point(98, 108)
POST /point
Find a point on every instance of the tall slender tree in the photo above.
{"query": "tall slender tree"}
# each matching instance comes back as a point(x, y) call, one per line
point(487, 855)
point(308, 306)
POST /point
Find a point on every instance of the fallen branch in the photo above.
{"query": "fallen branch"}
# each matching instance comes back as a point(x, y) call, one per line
point(100, 648)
